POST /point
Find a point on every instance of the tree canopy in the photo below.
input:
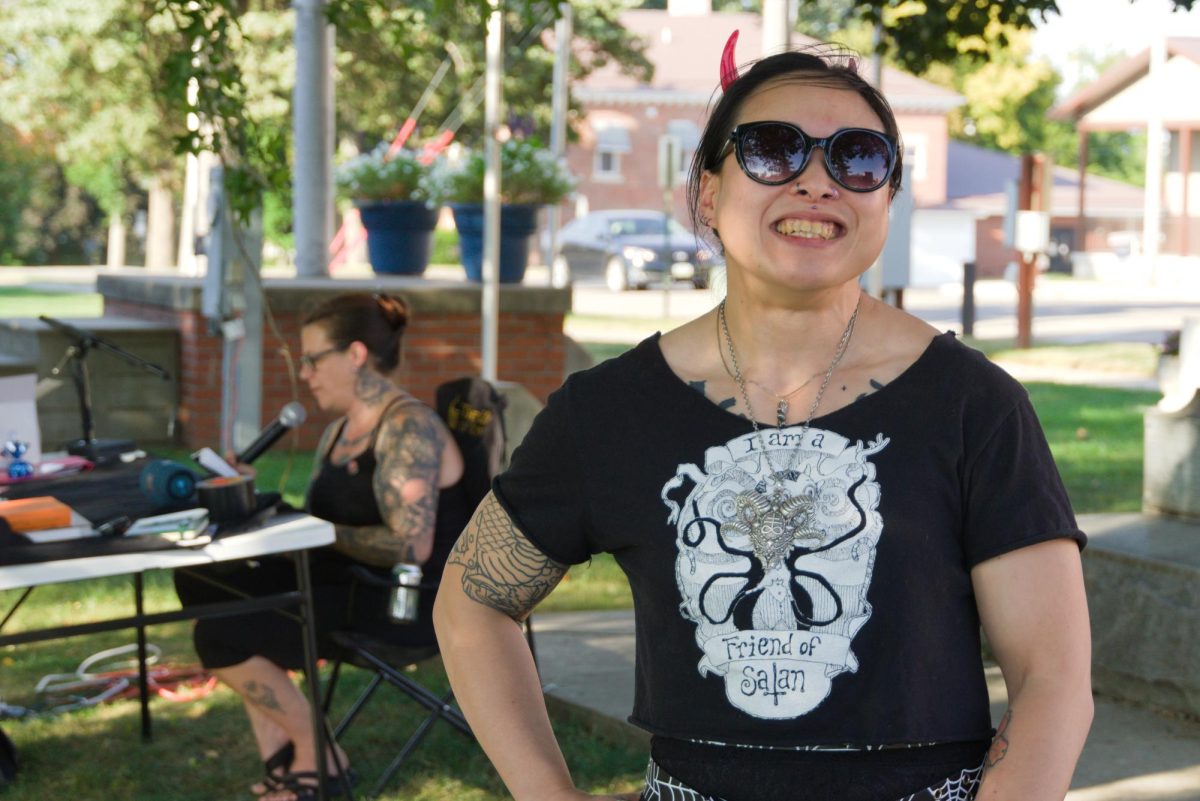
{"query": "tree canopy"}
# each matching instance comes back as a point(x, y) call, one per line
point(111, 85)
point(920, 33)
point(84, 78)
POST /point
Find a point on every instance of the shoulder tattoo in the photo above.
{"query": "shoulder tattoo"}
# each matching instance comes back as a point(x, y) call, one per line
point(702, 388)
point(502, 569)
point(875, 387)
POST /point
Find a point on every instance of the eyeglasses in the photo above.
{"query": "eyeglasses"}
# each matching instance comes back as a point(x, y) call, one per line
point(310, 360)
point(774, 153)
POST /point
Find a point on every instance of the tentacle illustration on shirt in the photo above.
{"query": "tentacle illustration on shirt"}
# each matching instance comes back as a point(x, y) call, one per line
point(774, 565)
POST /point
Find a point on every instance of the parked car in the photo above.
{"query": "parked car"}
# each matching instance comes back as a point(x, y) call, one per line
point(631, 248)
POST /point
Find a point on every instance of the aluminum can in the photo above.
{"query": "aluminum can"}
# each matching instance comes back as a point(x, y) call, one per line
point(406, 593)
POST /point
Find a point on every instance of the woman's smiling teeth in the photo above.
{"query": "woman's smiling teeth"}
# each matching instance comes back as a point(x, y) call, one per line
point(807, 229)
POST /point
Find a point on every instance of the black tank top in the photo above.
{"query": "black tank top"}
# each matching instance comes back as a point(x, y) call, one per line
point(345, 495)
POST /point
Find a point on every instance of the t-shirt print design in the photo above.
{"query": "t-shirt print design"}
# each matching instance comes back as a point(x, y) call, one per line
point(777, 629)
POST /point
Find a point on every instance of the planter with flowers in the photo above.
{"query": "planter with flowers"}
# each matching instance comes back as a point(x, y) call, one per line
point(393, 200)
point(530, 177)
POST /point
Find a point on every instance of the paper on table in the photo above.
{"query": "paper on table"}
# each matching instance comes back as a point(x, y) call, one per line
point(80, 527)
point(18, 414)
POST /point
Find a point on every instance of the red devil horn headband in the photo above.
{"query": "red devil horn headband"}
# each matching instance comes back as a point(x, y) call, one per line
point(729, 72)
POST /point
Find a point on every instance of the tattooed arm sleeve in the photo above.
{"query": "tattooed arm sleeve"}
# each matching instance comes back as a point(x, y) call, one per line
point(408, 453)
point(501, 568)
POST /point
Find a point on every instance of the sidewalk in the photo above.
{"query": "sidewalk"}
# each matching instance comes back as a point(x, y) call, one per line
point(1131, 754)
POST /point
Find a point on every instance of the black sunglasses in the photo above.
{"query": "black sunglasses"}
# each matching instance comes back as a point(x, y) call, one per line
point(774, 153)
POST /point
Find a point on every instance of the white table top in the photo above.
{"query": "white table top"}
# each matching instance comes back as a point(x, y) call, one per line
point(278, 535)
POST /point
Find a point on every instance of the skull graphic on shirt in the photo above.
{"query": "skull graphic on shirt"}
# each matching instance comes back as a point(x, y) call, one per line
point(775, 556)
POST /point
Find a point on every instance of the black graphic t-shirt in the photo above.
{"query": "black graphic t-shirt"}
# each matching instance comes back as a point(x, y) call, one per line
point(858, 626)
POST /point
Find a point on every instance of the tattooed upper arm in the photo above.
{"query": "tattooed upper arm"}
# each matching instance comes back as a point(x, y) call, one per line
point(409, 453)
point(502, 569)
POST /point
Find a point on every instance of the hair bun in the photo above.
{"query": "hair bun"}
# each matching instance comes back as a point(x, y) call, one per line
point(394, 309)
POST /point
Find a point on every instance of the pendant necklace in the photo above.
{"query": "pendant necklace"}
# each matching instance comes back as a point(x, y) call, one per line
point(771, 531)
point(781, 401)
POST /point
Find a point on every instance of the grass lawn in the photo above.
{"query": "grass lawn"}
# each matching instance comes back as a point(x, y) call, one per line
point(21, 302)
point(203, 750)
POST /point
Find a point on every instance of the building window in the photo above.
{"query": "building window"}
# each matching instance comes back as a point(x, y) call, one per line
point(611, 143)
point(916, 155)
point(608, 164)
point(687, 138)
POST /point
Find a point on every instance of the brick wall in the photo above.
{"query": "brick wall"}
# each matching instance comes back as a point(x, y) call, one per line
point(442, 341)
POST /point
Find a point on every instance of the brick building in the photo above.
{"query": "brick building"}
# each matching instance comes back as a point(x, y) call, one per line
point(622, 138)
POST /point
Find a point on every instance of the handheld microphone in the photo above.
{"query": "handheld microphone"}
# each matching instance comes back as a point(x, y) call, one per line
point(290, 416)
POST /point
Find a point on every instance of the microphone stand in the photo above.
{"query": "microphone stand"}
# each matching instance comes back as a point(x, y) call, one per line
point(100, 451)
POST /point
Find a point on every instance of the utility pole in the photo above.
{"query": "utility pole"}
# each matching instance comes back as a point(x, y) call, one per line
point(874, 276)
point(1033, 234)
point(1155, 140)
point(558, 129)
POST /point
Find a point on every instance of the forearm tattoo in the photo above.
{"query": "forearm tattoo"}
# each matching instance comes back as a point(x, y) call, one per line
point(999, 747)
point(502, 569)
point(375, 545)
point(261, 696)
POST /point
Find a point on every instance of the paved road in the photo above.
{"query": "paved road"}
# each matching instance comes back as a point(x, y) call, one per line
point(1067, 311)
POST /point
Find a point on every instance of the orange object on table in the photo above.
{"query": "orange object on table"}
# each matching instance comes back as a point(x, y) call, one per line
point(35, 514)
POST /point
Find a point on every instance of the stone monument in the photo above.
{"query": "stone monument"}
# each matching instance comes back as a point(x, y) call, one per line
point(1143, 570)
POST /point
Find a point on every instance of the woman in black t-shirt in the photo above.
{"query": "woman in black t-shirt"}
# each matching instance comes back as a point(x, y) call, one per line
point(388, 474)
point(817, 499)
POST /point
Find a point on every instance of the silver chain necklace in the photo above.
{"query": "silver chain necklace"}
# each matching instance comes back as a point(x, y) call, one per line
point(772, 530)
point(781, 401)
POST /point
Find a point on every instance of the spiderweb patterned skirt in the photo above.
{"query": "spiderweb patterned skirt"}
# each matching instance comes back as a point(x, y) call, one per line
point(662, 787)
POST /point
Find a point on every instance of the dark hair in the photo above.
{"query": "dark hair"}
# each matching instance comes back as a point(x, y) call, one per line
point(820, 65)
point(376, 320)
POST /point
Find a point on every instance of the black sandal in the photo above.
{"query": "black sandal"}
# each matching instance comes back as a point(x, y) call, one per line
point(276, 767)
point(302, 784)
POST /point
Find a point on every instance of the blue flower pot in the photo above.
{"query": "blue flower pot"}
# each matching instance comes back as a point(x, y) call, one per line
point(399, 235)
point(518, 222)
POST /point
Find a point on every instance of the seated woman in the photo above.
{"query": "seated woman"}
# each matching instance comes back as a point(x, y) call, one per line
point(388, 475)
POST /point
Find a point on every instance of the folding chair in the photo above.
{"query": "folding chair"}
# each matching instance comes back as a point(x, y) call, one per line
point(388, 660)
point(383, 651)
